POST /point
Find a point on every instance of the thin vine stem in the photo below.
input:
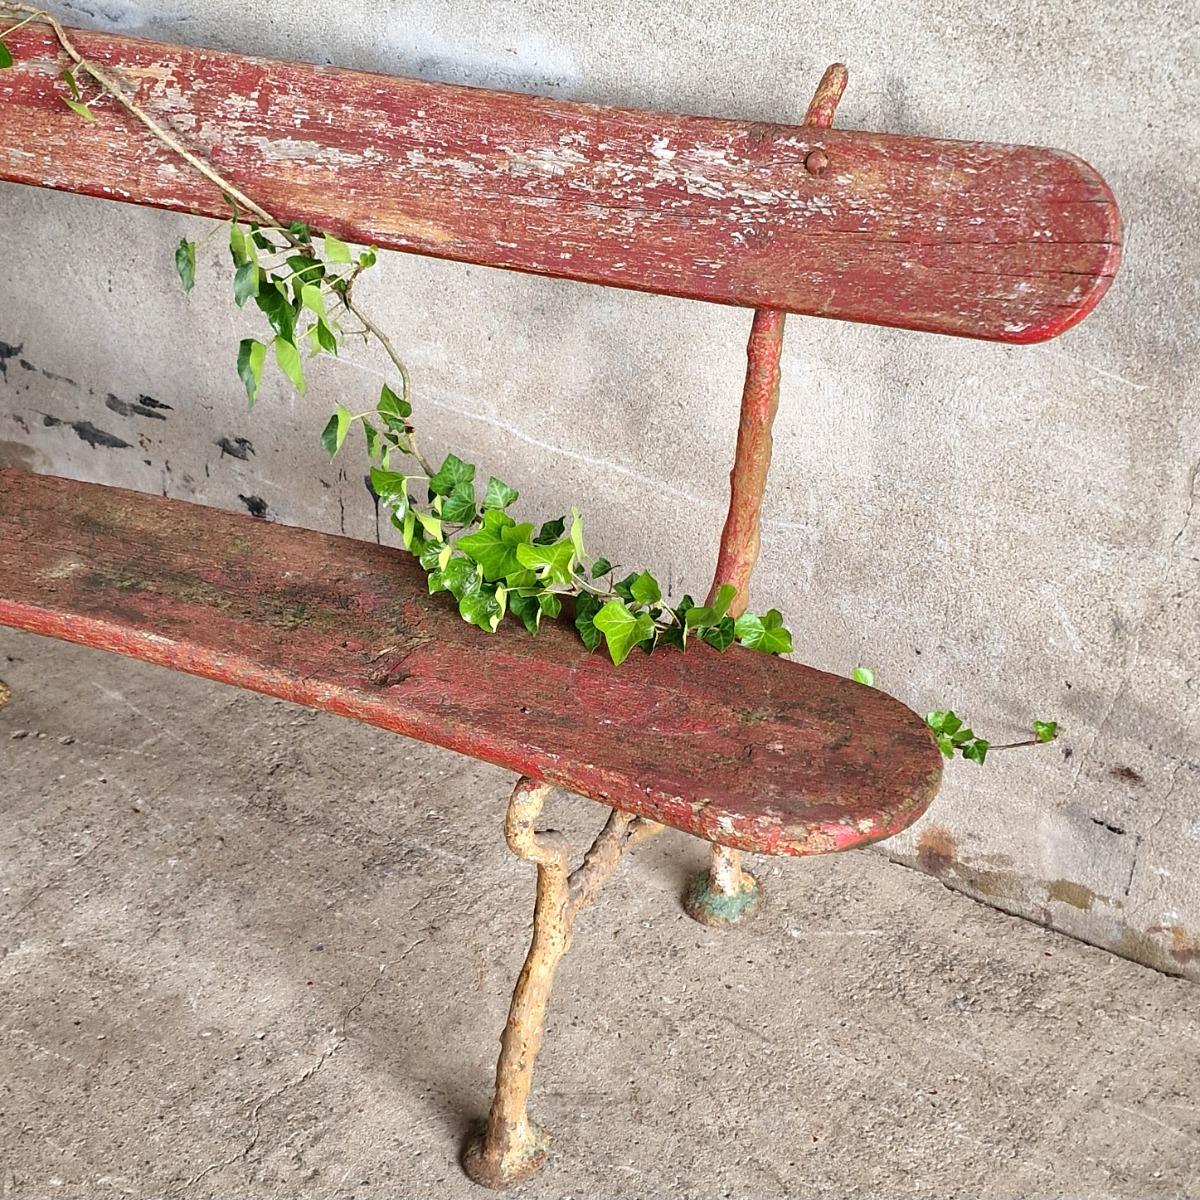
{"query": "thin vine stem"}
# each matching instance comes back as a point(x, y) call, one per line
point(653, 616)
point(168, 139)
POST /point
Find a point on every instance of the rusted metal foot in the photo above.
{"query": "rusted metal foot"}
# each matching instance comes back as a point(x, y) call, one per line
point(725, 894)
point(510, 1148)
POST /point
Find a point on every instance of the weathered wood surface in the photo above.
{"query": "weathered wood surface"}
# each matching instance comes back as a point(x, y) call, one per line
point(742, 748)
point(1010, 243)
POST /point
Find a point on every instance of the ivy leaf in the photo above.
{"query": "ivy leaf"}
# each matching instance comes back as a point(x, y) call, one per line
point(391, 487)
point(434, 555)
point(708, 615)
point(586, 608)
point(549, 603)
point(601, 567)
point(305, 269)
point(622, 629)
point(395, 412)
point(551, 531)
point(241, 244)
point(624, 587)
point(251, 356)
point(645, 589)
point(577, 534)
point(863, 675)
point(480, 607)
point(185, 263)
point(391, 405)
point(334, 433)
point(336, 250)
point(499, 494)
point(245, 282)
point(299, 230)
point(494, 546)
point(943, 721)
point(552, 563)
point(460, 504)
point(765, 633)
point(6, 60)
point(326, 338)
point(976, 751)
point(77, 107)
point(944, 744)
point(372, 436)
point(455, 577)
point(68, 76)
point(1045, 731)
point(311, 298)
point(429, 523)
point(288, 358)
point(368, 258)
point(278, 312)
point(720, 636)
point(452, 472)
point(527, 609)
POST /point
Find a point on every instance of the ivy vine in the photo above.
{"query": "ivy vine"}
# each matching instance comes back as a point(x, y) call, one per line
point(302, 281)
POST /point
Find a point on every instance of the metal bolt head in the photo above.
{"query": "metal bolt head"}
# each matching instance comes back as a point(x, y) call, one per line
point(816, 162)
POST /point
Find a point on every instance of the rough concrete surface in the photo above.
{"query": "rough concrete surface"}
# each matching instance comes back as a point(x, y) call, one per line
point(250, 950)
point(1009, 531)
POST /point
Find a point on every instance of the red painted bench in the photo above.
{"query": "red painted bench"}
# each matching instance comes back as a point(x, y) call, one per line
point(747, 751)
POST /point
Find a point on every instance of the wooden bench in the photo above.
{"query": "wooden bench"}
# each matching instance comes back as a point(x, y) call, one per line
point(747, 751)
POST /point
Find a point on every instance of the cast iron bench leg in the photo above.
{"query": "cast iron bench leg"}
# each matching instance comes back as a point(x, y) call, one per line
point(510, 1147)
point(725, 894)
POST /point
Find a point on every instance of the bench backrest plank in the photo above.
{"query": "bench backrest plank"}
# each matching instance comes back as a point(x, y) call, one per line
point(1010, 243)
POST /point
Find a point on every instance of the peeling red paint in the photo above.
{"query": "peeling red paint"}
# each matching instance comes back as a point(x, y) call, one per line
point(1010, 243)
point(743, 749)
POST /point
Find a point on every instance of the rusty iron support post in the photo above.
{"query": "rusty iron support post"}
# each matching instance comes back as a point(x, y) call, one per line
point(511, 1147)
point(727, 894)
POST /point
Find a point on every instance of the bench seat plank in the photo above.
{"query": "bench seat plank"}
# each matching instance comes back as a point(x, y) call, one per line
point(1010, 243)
point(742, 748)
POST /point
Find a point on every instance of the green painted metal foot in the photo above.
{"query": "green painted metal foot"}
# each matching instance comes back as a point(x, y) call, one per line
point(713, 906)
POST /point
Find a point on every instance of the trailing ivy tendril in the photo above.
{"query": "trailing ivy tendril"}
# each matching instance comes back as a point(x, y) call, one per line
point(302, 281)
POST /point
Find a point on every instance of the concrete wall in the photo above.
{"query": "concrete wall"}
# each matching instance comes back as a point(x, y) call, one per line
point(1008, 531)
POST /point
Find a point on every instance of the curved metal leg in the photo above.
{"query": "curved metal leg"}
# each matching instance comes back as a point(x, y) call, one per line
point(725, 894)
point(511, 1147)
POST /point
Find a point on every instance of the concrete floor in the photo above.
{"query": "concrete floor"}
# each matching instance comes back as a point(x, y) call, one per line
point(251, 950)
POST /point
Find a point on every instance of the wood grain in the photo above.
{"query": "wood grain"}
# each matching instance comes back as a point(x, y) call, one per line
point(739, 748)
point(1010, 243)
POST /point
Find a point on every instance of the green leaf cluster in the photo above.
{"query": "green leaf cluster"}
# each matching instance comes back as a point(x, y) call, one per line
point(294, 289)
point(952, 735)
point(468, 543)
point(495, 565)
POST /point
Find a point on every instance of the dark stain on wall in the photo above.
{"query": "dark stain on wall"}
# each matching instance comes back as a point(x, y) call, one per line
point(17, 454)
point(937, 854)
point(7, 351)
point(143, 406)
point(1077, 895)
point(1183, 950)
point(238, 447)
point(87, 432)
point(26, 365)
point(1128, 774)
point(256, 505)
